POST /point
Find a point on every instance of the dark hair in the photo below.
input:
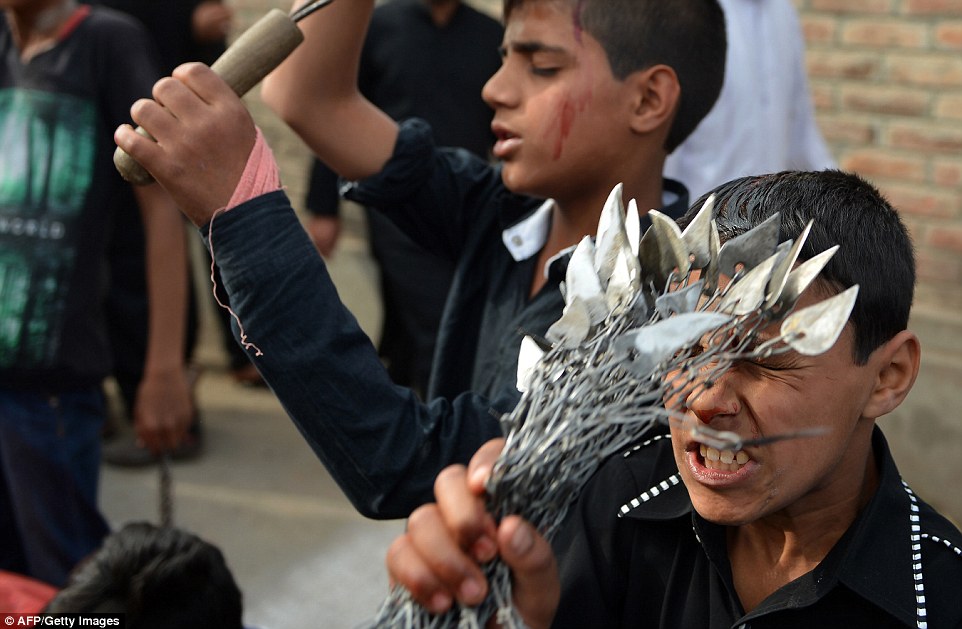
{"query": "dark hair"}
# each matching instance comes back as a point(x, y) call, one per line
point(875, 249)
point(686, 35)
point(159, 577)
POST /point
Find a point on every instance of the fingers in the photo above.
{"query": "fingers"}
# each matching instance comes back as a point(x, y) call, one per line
point(204, 135)
point(472, 528)
point(535, 583)
point(324, 232)
point(429, 563)
point(438, 559)
point(406, 568)
point(479, 469)
point(162, 413)
point(156, 433)
point(204, 82)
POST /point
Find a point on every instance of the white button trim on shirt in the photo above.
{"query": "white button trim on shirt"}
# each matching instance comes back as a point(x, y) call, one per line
point(944, 542)
point(915, 539)
point(664, 485)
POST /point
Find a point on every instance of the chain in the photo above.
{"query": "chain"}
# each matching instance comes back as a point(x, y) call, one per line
point(166, 492)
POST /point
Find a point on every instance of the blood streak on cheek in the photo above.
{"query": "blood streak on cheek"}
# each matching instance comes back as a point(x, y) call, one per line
point(567, 112)
point(566, 119)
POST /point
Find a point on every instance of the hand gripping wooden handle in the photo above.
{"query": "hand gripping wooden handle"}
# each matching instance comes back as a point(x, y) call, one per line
point(257, 51)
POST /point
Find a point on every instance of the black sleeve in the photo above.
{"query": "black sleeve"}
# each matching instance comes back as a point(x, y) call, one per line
point(381, 444)
point(322, 195)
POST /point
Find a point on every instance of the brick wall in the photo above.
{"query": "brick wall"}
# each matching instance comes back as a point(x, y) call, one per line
point(886, 79)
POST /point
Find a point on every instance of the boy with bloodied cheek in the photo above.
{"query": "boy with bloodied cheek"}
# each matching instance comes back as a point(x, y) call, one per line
point(590, 94)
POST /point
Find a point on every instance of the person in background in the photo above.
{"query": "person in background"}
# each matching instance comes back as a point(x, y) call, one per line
point(763, 120)
point(181, 31)
point(158, 578)
point(430, 59)
point(68, 72)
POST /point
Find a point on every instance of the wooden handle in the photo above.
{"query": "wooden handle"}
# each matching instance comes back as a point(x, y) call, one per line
point(257, 51)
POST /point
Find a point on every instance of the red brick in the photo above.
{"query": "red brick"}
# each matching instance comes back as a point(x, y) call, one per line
point(847, 130)
point(927, 138)
point(923, 202)
point(882, 164)
point(932, 7)
point(884, 34)
point(949, 35)
point(939, 273)
point(818, 30)
point(947, 173)
point(844, 65)
point(885, 100)
point(945, 237)
point(929, 70)
point(847, 6)
point(823, 96)
point(949, 106)
point(940, 297)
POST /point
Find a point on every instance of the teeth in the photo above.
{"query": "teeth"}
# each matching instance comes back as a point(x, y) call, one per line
point(725, 460)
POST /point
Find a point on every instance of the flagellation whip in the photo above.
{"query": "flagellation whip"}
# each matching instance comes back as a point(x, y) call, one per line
point(251, 57)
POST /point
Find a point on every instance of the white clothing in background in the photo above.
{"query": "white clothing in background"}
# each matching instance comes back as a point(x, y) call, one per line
point(763, 120)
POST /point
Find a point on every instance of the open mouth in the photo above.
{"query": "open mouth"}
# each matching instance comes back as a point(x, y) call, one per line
point(722, 460)
point(506, 143)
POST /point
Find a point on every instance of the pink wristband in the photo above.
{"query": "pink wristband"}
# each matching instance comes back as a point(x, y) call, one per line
point(260, 175)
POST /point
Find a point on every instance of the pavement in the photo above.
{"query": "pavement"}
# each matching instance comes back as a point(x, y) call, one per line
point(300, 553)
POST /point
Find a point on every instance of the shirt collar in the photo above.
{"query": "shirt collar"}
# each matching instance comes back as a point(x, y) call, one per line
point(889, 523)
point(527, 236)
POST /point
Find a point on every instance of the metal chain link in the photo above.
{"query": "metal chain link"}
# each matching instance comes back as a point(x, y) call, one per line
point(166, 492)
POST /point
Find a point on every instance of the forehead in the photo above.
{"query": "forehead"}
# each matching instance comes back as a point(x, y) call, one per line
point(547, 27)
point(544, 21)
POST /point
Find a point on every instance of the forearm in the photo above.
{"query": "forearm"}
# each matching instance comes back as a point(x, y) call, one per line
point(163, 408)
point(380, 443)
point(315, 92)
point(166, 263)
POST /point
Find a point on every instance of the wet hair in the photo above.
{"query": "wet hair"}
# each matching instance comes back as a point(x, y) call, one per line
point(875, 249)
point(685, 35)
point(159, 578)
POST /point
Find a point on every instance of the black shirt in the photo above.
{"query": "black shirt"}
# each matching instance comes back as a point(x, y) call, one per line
point(58, 190)
point(410, 66)
point(634, 553)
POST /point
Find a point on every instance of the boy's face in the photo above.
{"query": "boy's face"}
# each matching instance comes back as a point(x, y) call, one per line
point(786, 393)
point(557, 105)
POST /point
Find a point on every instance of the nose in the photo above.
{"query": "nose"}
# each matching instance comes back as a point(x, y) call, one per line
point(714, 399)
point(497, 92)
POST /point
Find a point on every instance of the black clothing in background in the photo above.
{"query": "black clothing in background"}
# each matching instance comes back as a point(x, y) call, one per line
point(410, 67)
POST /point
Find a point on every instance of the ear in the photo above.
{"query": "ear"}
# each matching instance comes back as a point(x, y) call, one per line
point(654, 98)
point(897, 362)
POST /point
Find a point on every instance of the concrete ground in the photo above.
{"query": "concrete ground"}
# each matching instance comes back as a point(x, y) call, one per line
point(301, 554)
